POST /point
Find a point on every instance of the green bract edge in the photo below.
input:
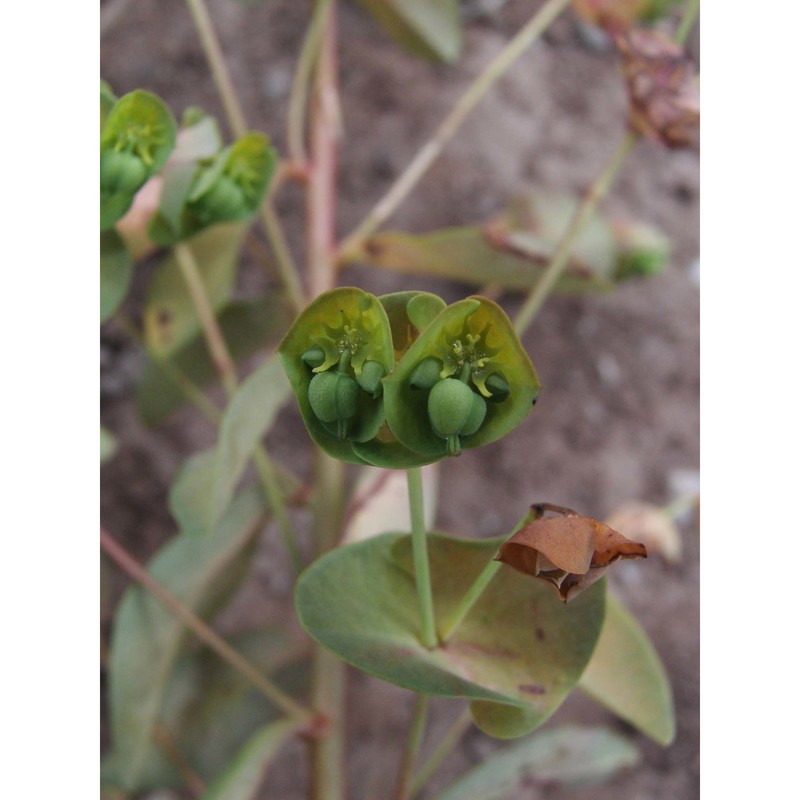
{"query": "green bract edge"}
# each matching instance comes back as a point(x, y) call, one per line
point(139, 123)
point(384, 450)
point(406, 408)
point(309, 330)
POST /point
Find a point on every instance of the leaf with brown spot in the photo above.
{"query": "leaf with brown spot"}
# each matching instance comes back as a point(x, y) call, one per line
point(569, 551)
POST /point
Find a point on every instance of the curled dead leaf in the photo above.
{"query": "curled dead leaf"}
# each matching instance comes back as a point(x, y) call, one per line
point(662, 87)
point(569, 551)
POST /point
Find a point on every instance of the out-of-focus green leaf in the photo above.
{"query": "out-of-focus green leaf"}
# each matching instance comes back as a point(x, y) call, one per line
point(247, 327)
point(108, 444)
point(169, 317)
point(247, 419)
point(641, 250)
point(245, 775)
point(191, 494)
point(519, 645)
point(510, 250)
point(210, 710)
point(201, 573)
point(571, 755)
point(627, 677)
point(107, 100)
point(116, 272)
point(427, 28)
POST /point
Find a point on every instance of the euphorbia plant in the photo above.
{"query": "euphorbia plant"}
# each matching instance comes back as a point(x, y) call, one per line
point(395, 382)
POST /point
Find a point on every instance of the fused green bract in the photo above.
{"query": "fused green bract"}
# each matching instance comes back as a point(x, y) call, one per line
point(136, 137)
point(471, 343)
point(403, 380)
point(226, 187)
point(335, 354)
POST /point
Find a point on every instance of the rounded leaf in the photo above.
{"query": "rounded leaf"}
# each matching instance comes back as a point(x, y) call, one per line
point(518, 647)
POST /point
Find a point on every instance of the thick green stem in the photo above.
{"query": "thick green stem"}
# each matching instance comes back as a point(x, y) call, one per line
point(329, 672)
point(351, 247)
point(596, 192)
point(208, 635)
point(442, 750)
point(415, 736)
point(469, 599)
point(419, 545)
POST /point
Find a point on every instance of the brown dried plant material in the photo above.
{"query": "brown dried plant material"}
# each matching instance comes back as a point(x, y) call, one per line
point(662, 88)
point(569, 551)
point(611, 13)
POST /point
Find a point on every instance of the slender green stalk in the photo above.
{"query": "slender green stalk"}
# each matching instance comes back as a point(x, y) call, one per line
point(597, 191)
point(469, 599)
point(687, 22)
point(226, 368)
point(298, 97)
point(206, 634)
point(217, 347)
point(277, 503)
point(413, 743)
point(351, 246)
point(220, 74)
point(443, 749)
point(190, 390)
point(287, 269)
point(419, 546)
point(478, 586)
point(219, 67)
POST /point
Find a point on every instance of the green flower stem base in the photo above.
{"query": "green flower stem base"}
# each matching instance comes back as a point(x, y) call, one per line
point(420, 551)
point(476, 590)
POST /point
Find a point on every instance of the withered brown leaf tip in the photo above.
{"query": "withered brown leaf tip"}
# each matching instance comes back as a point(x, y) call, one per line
point(662, 88)
point(569, 551)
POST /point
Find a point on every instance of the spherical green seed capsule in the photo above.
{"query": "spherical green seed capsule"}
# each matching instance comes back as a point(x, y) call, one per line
point(370, 378)
point(426, 374)
point(224, 201)
point(333, 397)
point(497, 386)
point(313, 357)
point(476, 416)
point(449, 407)
point(122, 173)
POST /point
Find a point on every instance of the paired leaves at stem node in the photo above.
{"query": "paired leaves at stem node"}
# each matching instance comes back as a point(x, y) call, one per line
point(404, 380)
